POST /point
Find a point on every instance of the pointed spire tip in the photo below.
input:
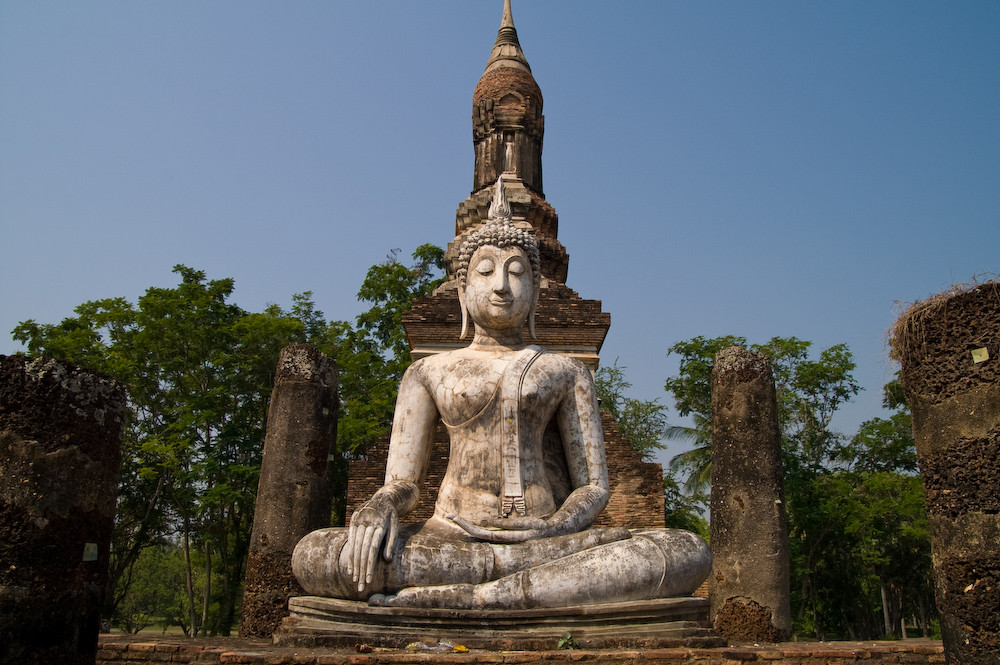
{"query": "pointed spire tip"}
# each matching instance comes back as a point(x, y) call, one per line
point(508, 18)
point(507, 49)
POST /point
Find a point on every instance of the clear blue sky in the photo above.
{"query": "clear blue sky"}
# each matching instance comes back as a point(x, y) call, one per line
point(766, 168)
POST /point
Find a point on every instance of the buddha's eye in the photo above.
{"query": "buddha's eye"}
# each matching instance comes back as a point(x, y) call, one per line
point(484, 267)
point(515, 268)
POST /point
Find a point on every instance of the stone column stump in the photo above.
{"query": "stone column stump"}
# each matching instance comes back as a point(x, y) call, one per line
point(60, 453)
point(294, 494)
point(949, 351)
point(749, 584)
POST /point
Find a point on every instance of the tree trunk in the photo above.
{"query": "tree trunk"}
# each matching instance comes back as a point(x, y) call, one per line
point(192, 630)
point(815, 614)
point(885, 609)
point(208, 587)
point(223, 623)
point(125, 560)
point(922, 607)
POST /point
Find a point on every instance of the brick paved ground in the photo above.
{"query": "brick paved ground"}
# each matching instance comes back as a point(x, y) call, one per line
point(129, 650)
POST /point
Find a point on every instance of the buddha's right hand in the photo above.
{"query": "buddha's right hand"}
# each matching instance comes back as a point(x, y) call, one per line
point(372, 524)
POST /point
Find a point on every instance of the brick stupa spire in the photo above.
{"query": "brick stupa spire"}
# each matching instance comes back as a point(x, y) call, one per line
point(507, 131)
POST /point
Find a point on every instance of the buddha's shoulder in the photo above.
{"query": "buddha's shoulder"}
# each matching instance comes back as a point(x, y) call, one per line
point(445, 362)
point(465, 358)
point(557, 361)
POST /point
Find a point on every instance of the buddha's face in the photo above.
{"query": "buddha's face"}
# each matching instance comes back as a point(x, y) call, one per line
point(499, 291)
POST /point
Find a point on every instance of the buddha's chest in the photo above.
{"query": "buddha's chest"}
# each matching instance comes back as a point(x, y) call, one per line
point(481, 390)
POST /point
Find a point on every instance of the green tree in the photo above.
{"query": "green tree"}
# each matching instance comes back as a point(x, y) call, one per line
point(643, 423)
point(152, 592)
point(692, 391)
point(859, 535)
point(198, 371)
point(390, 288)
point(881, 444)
point(857, 532)
point(809, 392)
point(372, 355)
point(860, 548)
point(682, 511)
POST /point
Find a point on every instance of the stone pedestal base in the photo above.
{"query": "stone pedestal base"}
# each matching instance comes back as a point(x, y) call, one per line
point(669, 622)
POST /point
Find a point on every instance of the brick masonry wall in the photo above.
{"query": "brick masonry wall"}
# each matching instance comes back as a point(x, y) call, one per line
point(636, 486)
point(127, 650)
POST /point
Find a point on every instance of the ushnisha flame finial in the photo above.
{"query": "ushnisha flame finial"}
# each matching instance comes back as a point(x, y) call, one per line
point(499, 208)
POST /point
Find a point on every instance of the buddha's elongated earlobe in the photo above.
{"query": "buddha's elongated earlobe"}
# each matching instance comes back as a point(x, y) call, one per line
point(531, 315)
point(465, 312)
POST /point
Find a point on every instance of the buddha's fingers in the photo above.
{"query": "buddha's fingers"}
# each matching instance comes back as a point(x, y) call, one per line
point(362, 556)
point(357, 543)
point(372, 551)
point(352, 541)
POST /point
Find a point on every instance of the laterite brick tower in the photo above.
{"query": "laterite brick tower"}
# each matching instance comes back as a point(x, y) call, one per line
point(507, 131)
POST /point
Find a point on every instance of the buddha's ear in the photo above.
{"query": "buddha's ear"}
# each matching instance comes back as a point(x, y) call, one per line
point(465, 312)
point(531, 314)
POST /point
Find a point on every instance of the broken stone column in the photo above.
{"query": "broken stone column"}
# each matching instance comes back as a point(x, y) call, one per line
point(296, 478)
point(949, 351)
point(60, 452)
point(749, 584)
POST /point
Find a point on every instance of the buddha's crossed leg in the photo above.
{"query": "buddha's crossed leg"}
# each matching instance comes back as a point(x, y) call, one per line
point(593, 566)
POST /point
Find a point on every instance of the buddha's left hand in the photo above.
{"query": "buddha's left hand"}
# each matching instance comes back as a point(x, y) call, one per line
point(504, 535)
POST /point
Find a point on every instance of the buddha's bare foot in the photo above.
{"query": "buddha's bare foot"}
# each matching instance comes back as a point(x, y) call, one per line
point(450, 596)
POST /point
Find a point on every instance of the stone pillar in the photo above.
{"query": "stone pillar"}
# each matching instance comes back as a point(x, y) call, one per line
point(749, 584)
point(60, 452)
point(296, 477)
point(949, 352)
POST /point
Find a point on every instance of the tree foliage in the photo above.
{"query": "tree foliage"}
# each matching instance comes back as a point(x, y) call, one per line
point(682, 511)
point(860, 548)
point(858, 536)
point(199, 372)
point(373, 354)
point(642, 422)
point(808, 392)
point(644, 425)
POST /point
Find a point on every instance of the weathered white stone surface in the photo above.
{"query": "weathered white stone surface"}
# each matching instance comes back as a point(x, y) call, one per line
point(504, 533)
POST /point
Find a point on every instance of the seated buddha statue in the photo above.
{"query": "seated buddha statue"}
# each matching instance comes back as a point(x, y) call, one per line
point(502, 535)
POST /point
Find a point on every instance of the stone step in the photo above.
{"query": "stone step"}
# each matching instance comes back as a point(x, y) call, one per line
point(671, 622)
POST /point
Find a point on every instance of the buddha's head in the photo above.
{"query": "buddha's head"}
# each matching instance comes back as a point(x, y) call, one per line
point(499, 273)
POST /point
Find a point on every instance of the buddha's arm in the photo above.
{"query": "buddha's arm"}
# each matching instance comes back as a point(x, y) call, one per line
point(580, 426)
point(376, 522)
